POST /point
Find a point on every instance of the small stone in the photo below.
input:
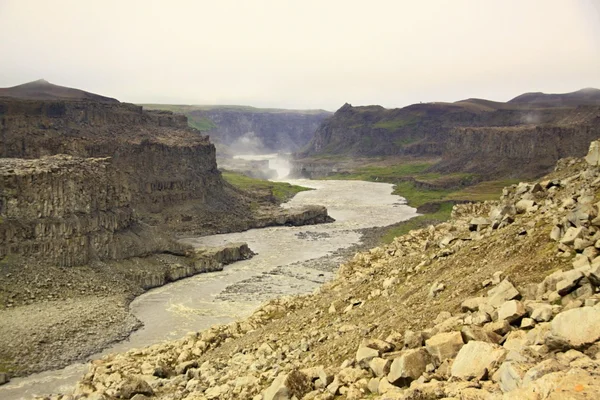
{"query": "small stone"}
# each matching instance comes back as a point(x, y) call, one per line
point(527, 323)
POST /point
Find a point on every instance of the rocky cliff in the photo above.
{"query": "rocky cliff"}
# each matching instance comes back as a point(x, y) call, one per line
point(522, 136)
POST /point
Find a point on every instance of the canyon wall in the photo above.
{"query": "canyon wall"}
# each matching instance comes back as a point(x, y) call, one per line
point(261, 130)
point(467, 136)
point(67, 211)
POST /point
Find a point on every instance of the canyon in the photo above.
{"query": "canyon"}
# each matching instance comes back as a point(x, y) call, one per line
point(93, 195)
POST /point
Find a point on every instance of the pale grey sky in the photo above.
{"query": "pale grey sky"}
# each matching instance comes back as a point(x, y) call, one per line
point(302, 53)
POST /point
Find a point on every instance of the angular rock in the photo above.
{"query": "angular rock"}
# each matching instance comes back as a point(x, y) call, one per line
point(527, 323)
point(364, 355)
point(380, 366)
point(569, 281)
point(472, 304)
point(523, 205)
point(542, 313)
point(571, 234)
point(470, 333)
point(511, 311)
point(503, 292)
point(476, 359)
point(500, 327)
point(413, 340)
point(285, 387)
point(444, 345)
point(3, 378)
point(408, 367)
point(543, 368)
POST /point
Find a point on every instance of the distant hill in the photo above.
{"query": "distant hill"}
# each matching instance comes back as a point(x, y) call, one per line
point(588, 96)
point(44, 90)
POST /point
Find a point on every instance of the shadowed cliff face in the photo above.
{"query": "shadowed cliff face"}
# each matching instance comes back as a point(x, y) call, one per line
point(247, 132)
point(494, 139)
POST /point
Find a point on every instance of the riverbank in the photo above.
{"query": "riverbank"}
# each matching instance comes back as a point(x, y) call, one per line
point(72, 313)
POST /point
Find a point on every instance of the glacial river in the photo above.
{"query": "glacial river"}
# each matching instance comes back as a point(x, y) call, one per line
point(281, 267)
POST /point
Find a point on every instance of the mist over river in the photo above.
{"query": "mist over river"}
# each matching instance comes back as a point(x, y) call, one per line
point(282, 267)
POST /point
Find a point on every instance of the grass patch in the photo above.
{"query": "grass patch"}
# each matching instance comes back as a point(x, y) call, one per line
point(395, 124)
point(389, 174)
point(443, 214)
point(416, 197)
point(282, 191)
point(202, 123)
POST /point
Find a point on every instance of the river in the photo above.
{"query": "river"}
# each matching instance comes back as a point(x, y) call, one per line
point(281, 267)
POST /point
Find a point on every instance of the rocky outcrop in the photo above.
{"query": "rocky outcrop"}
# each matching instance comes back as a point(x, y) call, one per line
point(200, 260)
point(517, 318)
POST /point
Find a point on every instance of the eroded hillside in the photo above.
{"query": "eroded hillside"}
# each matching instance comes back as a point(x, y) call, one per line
point(501, 302)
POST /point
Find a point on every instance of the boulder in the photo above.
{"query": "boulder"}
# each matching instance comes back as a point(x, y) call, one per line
point(408, 367)
point(3, 378)
point(476, 359)
point(510, 375)
point(577, 327)
point(286, 386)
point(523, 205)
point(444, 345)
point(132, 386)
point(593, 155)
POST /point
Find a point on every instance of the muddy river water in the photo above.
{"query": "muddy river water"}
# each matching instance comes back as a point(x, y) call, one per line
point(281, 267)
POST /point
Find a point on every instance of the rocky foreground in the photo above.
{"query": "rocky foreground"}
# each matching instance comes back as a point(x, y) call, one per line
point(501, 302)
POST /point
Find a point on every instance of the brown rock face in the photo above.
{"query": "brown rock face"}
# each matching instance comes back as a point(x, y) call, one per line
point(68, 211)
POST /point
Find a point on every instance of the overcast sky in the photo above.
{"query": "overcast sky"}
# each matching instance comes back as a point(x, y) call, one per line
point(302, 53)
